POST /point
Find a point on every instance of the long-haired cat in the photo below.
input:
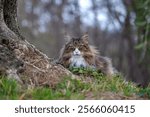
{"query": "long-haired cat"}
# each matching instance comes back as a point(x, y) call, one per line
point(78, 53)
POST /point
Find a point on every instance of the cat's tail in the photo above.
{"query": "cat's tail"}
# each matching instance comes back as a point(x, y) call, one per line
point(104, 64)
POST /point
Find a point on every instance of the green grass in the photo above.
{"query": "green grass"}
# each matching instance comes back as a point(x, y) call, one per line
point(8, 89)
point(75, 89)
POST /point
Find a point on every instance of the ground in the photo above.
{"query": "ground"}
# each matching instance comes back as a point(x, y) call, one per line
point(90, 85)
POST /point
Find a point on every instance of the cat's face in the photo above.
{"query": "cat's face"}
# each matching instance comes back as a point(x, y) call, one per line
point(77, 52)
point(77, 46)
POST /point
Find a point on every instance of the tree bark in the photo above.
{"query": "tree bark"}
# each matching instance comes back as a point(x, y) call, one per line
point(21, 60)
point(5, 32)
point(10, 16)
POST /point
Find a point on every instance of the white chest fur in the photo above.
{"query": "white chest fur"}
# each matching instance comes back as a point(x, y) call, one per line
point(78, 61)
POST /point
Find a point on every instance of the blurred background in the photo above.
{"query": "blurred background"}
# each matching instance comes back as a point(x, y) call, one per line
point(120, 29)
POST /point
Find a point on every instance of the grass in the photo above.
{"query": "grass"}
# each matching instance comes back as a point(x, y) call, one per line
point(101, 87)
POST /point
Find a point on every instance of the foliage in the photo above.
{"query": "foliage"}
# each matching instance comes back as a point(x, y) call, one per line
point(86, 71)
point(145, 92)
point(71, 88)
point(142, 22)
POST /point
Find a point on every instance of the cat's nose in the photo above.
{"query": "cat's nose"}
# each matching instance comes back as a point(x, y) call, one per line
point(76, 52)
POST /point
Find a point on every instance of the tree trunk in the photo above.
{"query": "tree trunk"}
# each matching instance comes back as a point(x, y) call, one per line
point(1, 10)
point(5, 32)
point(135, 72)
point(21, 60)
point(10, 16)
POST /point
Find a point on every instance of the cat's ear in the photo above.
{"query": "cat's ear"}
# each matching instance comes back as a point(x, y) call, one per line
point(67, 38)
point(85, 37)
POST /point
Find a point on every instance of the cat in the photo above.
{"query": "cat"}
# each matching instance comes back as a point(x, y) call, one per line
point(78, 53)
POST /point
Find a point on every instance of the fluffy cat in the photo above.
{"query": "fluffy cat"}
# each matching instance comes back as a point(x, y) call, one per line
point(78, 53)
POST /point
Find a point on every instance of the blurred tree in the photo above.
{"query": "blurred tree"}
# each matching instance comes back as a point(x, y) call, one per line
point(128, 34)
point(142, 21)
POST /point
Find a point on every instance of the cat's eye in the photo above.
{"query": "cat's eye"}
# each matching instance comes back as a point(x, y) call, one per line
point(83, 47)
point(71, 48)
